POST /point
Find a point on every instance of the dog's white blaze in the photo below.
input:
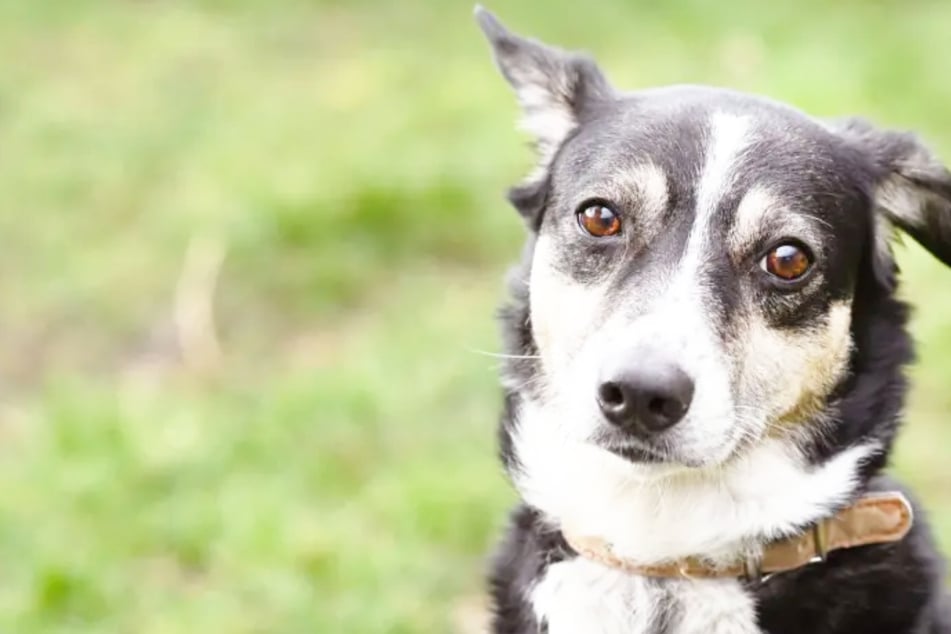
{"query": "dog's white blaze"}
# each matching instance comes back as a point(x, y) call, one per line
point(678, 326)
point(678, 323)
point(653, 514)
point(729, 136)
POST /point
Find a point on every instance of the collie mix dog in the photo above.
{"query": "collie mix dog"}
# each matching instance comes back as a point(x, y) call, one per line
point(704, 363)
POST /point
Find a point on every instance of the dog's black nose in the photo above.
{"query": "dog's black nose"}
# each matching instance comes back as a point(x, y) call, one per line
point(646, 396)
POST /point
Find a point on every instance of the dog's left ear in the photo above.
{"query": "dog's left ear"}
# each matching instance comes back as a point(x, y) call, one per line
point(555, 88)
point(913, 191)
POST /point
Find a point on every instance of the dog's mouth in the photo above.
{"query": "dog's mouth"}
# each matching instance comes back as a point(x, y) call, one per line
point(633, 450)
point(658, 453)
point(639, 454)
point(668, 461)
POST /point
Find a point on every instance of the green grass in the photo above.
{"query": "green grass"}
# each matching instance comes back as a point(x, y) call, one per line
point(330, 466)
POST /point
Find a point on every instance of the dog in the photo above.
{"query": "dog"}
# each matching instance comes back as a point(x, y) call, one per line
point(703, 375)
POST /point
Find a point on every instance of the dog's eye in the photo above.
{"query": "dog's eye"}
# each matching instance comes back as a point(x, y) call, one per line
point(599, 221)
point(789, 262)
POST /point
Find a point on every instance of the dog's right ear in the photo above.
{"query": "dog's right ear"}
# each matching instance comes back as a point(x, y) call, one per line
point(913, 192)
point(556, 89)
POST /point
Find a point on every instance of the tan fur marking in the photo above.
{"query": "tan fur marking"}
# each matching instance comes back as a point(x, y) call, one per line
point(754, 212)
point(797, 372)
point(756, 204)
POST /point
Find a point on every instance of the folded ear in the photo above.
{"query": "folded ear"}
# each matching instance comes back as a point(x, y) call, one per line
point(913, 191)
point(556, 89)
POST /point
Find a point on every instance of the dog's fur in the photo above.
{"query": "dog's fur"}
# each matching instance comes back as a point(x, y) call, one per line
point(798, 389)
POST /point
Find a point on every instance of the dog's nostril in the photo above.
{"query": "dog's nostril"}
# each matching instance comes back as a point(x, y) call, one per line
point(611, 395)
point(665, 407)
point(658, 406)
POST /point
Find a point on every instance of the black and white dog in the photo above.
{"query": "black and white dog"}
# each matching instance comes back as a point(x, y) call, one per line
point(705, 358)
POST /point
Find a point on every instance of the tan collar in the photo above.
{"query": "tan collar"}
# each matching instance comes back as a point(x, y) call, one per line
point(876, 518)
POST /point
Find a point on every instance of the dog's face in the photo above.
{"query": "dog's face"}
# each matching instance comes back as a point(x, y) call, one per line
point(694, 269)
point(692, 277)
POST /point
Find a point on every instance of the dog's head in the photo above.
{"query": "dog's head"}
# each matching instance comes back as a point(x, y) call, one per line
point(697, 257)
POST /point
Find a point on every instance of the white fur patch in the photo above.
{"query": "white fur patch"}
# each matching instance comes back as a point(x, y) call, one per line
point(713, 606)
point(562, 311)
point(581, 596)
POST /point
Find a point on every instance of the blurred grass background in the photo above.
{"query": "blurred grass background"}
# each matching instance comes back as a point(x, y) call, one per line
point(248, 249)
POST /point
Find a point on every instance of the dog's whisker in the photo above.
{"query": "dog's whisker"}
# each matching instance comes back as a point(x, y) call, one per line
point(527, 384)
point(502, 355)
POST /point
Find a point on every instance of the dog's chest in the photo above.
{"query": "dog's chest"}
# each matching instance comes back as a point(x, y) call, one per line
point(582, 596)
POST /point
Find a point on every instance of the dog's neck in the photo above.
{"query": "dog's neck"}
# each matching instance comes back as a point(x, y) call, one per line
point(719, 513)
point(876, 518)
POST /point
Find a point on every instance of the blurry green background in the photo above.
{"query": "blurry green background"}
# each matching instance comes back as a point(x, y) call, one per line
point(248, 252)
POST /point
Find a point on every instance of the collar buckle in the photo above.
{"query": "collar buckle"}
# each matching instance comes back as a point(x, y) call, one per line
point(820, 540)
point(753, 569)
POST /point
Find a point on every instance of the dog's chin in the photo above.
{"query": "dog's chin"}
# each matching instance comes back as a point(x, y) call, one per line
point(664, 457)
point(639, 455)
point(665, 460)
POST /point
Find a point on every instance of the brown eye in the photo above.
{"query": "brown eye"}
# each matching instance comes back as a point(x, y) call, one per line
point(788, 262)
point(599, 221)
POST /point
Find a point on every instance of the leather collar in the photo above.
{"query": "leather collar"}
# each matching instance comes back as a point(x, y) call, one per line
point(875, 518)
